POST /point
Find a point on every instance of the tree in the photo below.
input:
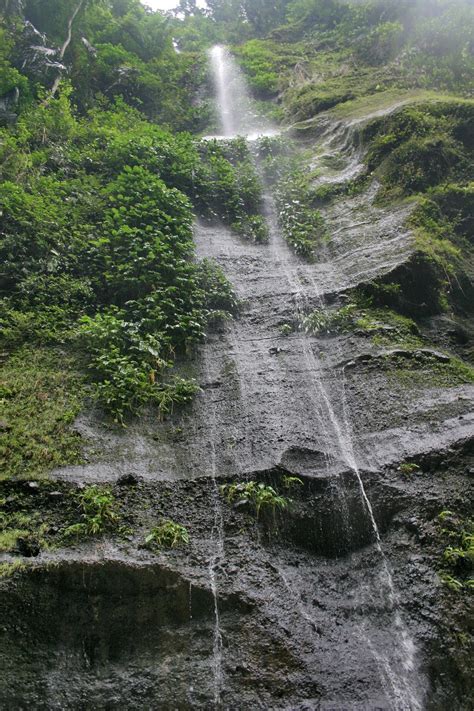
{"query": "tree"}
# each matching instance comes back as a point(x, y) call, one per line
point(188, 8)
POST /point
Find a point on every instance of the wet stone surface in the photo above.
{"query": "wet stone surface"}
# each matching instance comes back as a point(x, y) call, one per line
point(304, 609)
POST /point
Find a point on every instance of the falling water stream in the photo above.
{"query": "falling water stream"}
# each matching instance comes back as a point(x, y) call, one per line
point(398, 670)
point(236, 113)
point(216, 558)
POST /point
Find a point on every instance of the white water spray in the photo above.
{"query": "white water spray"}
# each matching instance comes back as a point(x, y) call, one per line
point(237, 114)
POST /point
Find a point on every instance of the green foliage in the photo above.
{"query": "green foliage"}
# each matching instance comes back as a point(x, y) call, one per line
point(456, 205)
point(252, 228)
point(323, 321)
point(386, 327)
point(126, 363)
point(265, 61)
point(99, 234)
point(229, 188)
point(291, 482)
point(255, 494)
point(217, 293)
point(417, 150)
point(381, 43)
point(285, 329)
point(418, 147)
point(98, 513)
point(457, 559)
point(10, 77)
point(425, 370)
point(302, 225)
point(167, 534)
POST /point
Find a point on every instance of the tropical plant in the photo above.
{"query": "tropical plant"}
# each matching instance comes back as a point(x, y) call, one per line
point(255, 494)
point(98, 512)
point(168, 534)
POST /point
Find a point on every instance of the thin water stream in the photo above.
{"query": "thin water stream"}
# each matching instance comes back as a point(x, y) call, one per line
point(397, 666)
point(216, 558)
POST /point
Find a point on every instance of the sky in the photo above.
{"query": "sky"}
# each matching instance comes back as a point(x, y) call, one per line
point(164, 4)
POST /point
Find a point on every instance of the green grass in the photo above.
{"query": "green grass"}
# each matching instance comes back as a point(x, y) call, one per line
point(41, 393)
point(390, 100)
point(9, 537)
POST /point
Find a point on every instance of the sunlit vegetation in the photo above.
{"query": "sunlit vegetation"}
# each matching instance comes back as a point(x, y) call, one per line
point(97, 206)
point(301, 223)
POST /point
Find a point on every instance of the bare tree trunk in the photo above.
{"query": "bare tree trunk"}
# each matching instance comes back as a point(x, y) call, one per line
point(65, 46)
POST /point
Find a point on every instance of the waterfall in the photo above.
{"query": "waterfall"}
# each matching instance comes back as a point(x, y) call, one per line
point(236, 111)
point(397, 665)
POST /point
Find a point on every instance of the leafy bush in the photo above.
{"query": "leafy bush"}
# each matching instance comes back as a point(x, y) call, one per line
point(217, 293)
point(126, 363)
point(302, 225)
point(228, 187)
point(264, 62)
point(253, 228)
point(417, 148)
point(381, 43)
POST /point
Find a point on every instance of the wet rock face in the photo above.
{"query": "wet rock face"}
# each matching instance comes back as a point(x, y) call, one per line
point(313, 611)
point(36, 58)
point(105, 633)
point(111, 635)
point(305, 611)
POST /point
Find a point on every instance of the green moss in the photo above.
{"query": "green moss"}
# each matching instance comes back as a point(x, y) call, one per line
point(8, 538)
point(9, 569)
point(418, 147)
point(383, 326)
point(428, 372)
point(41, 393)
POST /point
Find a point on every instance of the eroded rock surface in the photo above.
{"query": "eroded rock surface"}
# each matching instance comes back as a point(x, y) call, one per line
point(313, 611)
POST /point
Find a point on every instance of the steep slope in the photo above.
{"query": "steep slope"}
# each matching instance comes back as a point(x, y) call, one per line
point(297, 534)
